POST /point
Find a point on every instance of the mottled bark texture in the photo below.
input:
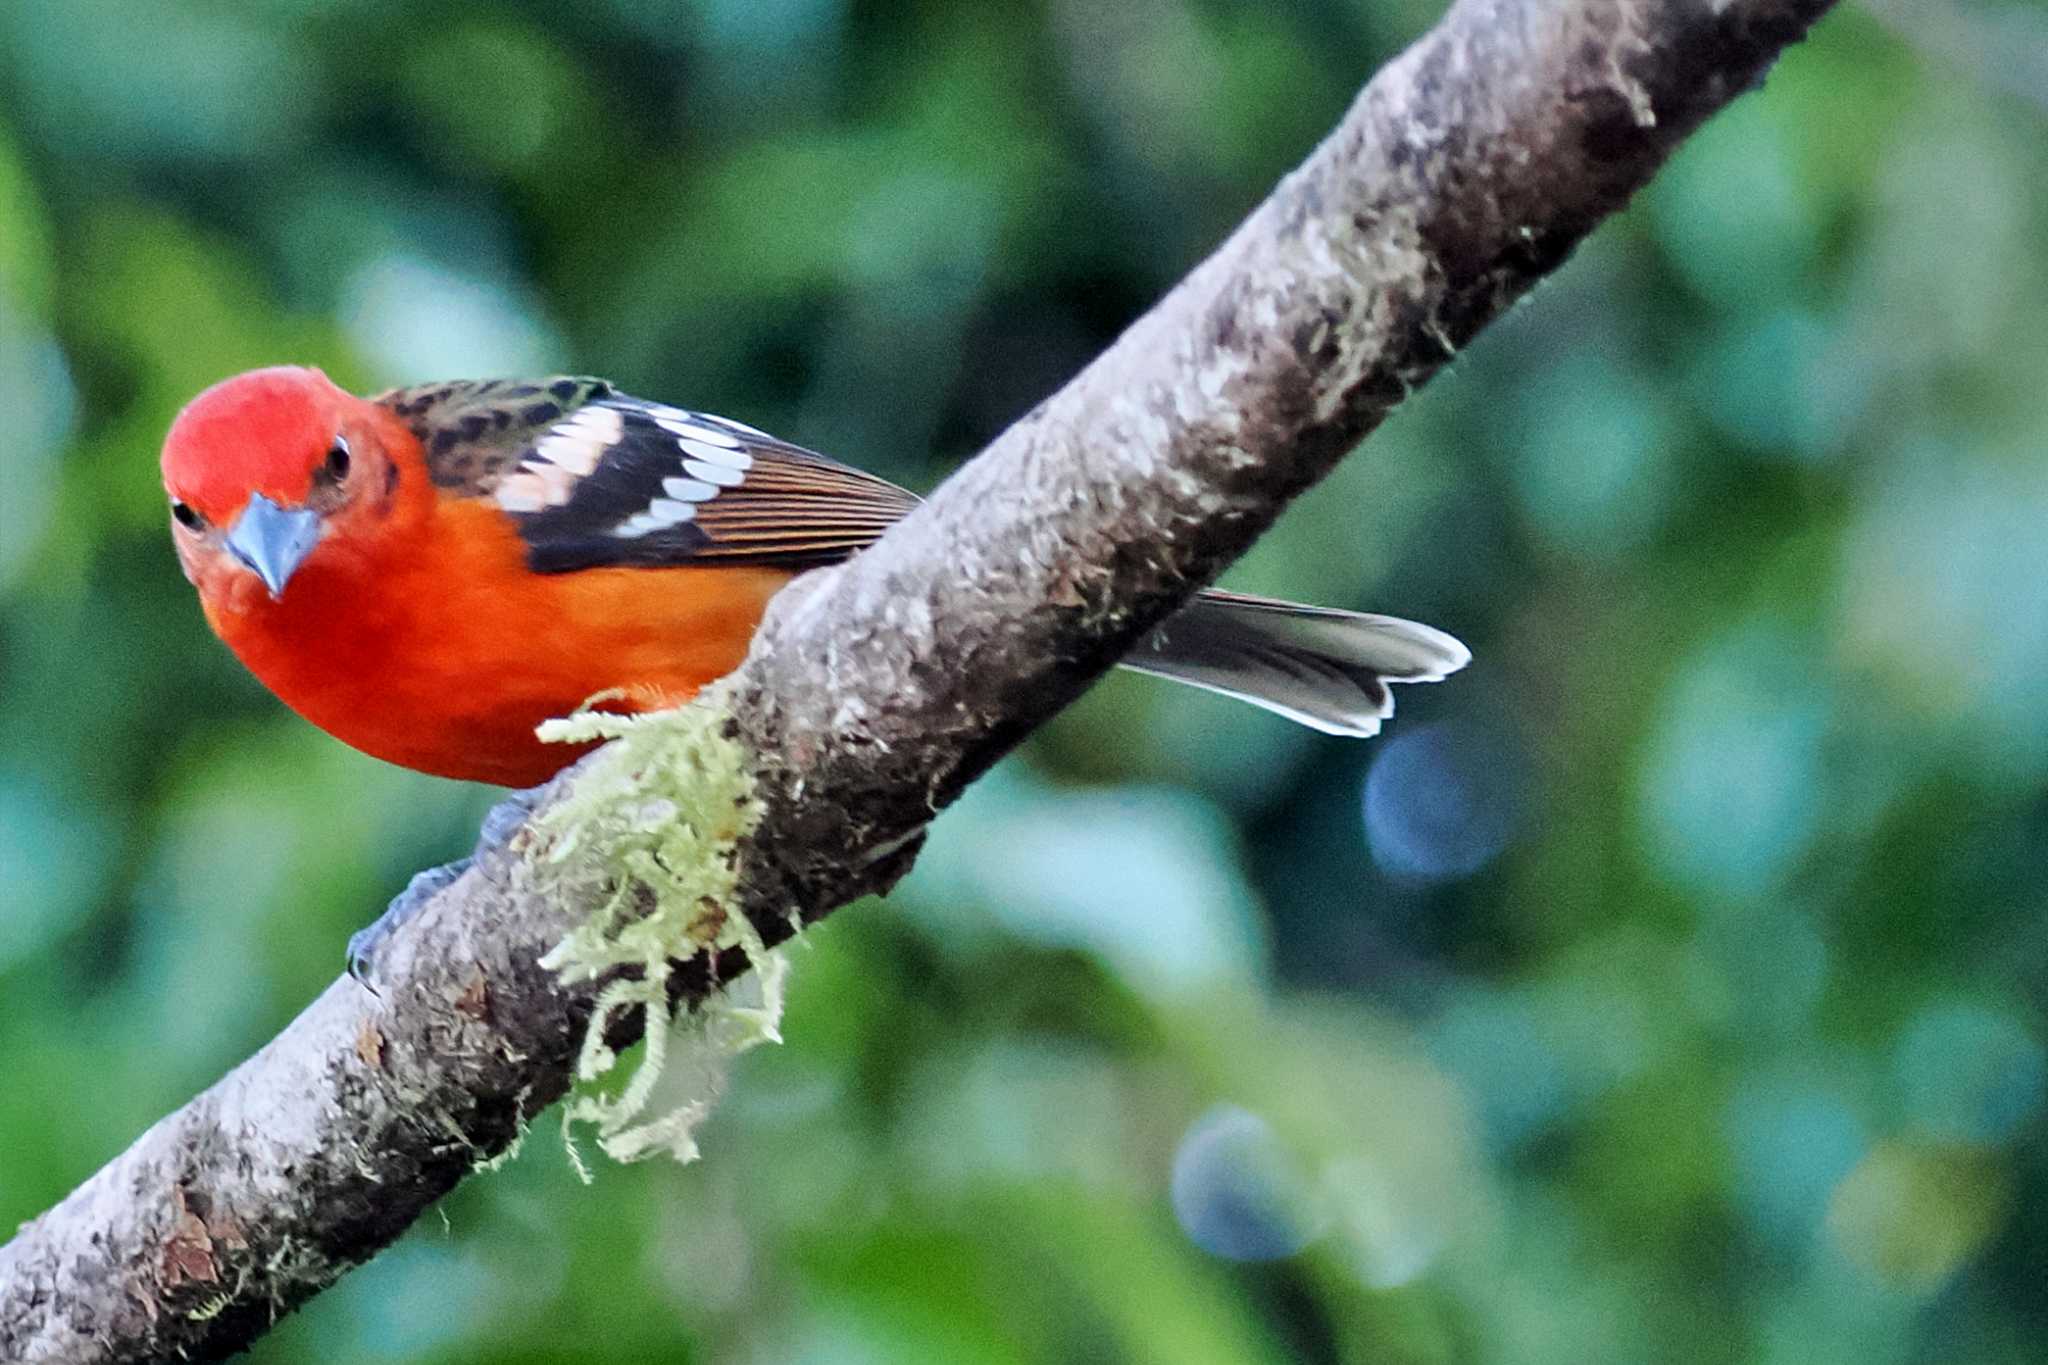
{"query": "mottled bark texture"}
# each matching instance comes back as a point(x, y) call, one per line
point(1469, 167)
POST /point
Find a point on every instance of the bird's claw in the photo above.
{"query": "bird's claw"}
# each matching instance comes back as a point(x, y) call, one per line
point(505, 818)
point(500, 824)
point(364, 944)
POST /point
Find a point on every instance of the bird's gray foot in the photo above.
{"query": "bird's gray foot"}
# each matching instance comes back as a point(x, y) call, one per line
point(499, 825)
point(364, 944)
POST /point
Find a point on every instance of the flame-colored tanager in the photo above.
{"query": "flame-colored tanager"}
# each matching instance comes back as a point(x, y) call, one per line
point(431, 573)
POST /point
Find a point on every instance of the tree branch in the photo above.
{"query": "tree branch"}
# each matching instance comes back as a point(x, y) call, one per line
point(1466, 170)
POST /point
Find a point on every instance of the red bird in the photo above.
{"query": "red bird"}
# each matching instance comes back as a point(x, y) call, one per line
point(431, 573)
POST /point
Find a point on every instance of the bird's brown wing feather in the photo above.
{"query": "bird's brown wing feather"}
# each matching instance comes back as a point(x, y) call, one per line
point(594, 478)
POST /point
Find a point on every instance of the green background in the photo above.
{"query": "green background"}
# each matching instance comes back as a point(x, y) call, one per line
point(1668, 986)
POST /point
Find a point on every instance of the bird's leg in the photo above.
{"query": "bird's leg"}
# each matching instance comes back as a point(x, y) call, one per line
point(364, 943)
point(500, 824)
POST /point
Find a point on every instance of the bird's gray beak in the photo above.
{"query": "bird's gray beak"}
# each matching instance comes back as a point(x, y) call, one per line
point(273, 541)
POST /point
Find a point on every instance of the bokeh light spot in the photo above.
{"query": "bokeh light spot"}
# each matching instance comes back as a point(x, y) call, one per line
point(1490, 1042)
point(1912, 1216)
point(1791, 1140)
point(1945, 605)
point(1968, 1072)
point(1732, 787)
point(52, 859)
point(1237, 1192)
point(1392, 1241)
point(418, 321)
point(1145, 878)
point(1595, 468)
point(36, 393)
point(1441, 801)
point(1758, 385)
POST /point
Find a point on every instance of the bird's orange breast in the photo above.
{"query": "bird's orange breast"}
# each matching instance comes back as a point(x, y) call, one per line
point(444, 654)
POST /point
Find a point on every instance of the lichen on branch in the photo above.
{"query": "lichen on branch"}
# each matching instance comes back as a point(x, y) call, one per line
point(648, 836)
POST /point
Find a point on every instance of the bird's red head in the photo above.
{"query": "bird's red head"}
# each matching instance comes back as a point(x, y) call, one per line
point(272, 471)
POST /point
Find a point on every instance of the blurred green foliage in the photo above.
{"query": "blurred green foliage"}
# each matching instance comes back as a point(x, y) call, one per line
point(1668, 986)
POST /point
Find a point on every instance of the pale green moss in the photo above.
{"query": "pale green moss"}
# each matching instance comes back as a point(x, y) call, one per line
point(518, 1143)
point(211, 1309)
point(651, 825)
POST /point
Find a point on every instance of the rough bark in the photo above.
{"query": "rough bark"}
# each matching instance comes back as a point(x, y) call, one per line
point(1466, 170)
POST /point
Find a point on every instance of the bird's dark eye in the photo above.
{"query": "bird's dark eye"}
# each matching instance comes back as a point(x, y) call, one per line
point(185, 516)
point(335, 467)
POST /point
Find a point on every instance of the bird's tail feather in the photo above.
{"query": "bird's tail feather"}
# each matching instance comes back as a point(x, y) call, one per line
point(1325, 668)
